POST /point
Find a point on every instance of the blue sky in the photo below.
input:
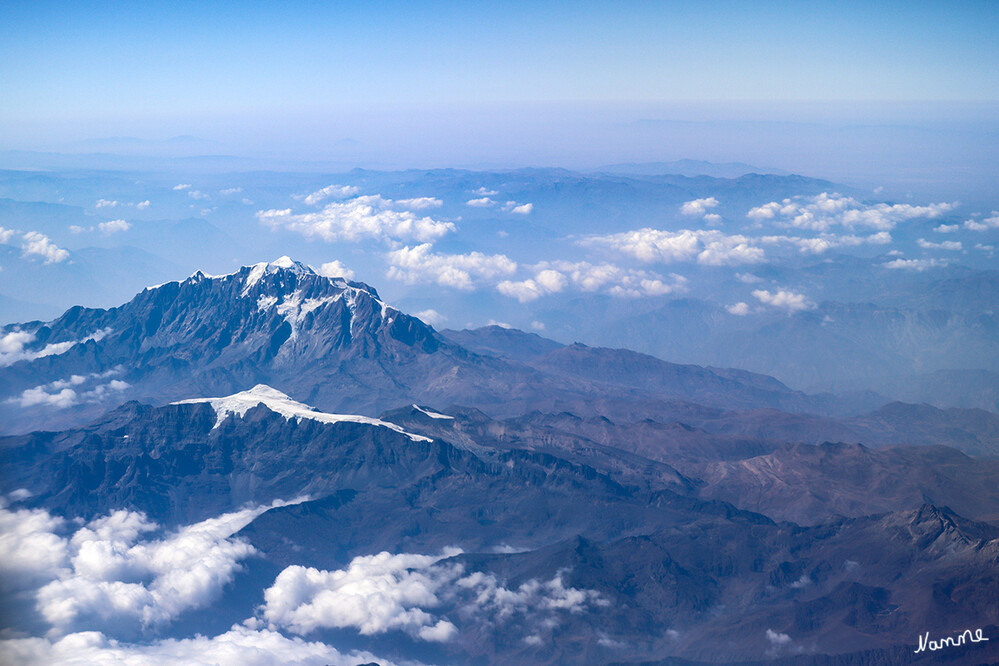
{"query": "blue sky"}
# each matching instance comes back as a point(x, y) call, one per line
point(196, 57)
point(234, 71)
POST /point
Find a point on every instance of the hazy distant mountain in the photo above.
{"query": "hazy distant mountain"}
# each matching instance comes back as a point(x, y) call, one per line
point(851, 346)
point(180, 145)
point(93, 275)
point(946, 388)
point(689, 168)
point(810, 484)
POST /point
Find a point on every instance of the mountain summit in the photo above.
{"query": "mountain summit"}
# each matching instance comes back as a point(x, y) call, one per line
point(326, 340)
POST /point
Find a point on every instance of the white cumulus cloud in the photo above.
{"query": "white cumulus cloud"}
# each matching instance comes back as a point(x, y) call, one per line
point(698, 206)
point(551, 276)
point(335, 191)
point(357, 219)
point(39, 245)
point(240, 645)
point(918, 265)
point(31, 548)
point(113, 226)
point(482, 202)
point(824, 211)
point(827, 241)
point(110, 573)
point(461, 271)
point(984, 225)
point(740, 309)
point(419, 203)
point(432, 317)
point(374, 594)
point(705, 246)
point(335, 269)
point(384, 592)
point(14, 346)
point(779, 643)
point(518, 208)
point(64, 393)
point(784, 300)
point(945, 245)
point(530, 597)
point(98, 579)
point(545, 282)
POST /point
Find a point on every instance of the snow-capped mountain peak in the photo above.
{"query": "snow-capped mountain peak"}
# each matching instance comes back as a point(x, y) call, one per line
point(285, 263)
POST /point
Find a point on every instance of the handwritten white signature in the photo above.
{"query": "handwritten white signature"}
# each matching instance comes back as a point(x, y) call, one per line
point(949, 641)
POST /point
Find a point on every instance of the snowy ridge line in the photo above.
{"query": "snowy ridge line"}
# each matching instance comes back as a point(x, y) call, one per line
point(258, 271)
point(294, 311)
point(279, 403)
point(431, 414)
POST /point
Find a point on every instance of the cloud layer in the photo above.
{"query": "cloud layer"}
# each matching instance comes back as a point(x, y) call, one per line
point(122, 574)
point(110, 574)
point(240, 645)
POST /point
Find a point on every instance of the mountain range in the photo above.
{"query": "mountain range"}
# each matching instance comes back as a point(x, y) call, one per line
point(509, 498)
